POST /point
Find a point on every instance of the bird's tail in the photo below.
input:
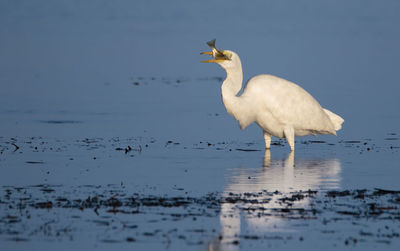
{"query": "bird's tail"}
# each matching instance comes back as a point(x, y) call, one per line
point(337, 121)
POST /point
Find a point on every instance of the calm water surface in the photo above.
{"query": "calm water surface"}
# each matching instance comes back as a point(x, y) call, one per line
point(80, 82)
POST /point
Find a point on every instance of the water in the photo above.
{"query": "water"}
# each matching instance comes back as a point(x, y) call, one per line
point(80, 82)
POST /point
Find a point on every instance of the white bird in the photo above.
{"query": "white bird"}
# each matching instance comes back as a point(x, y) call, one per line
point(281, 108)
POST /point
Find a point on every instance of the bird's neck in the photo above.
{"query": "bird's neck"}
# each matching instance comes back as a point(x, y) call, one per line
point(233, 82)
point(230, 88)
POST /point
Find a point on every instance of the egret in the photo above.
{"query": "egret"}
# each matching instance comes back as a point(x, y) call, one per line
point(281, 108)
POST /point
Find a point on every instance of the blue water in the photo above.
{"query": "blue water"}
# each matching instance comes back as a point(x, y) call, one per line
point(131, 70)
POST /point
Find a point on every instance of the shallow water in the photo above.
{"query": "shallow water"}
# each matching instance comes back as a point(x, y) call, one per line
point(113, 135)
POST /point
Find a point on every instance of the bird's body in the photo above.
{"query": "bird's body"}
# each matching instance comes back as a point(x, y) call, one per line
point(281, 108)
point(274, 103)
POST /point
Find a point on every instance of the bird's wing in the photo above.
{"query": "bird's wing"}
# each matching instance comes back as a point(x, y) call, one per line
point(288, 103)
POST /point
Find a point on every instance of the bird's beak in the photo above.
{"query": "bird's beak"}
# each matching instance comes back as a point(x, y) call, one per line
point(218, 55)
point(213, 61)
point(209, 61)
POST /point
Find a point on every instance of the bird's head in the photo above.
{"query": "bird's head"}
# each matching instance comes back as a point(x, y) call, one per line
point(225, 58)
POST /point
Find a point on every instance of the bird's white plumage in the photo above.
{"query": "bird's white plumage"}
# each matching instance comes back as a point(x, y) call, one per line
point(278, 102)
point(281, 108)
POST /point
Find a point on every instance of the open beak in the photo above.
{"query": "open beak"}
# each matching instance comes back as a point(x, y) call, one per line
point(213, 61)
point(215, 53)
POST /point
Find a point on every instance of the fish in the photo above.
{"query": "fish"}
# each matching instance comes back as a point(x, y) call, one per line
point(217, 54)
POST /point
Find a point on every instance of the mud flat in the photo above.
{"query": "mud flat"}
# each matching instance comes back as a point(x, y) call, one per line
point(147, 193)
point(112, 215)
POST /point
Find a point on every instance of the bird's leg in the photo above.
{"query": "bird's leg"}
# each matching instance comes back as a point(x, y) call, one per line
point(289, 135)
point(267, 138)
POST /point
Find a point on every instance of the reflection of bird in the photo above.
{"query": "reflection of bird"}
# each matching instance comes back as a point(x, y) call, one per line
point(281, 108)
point(285, 176)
